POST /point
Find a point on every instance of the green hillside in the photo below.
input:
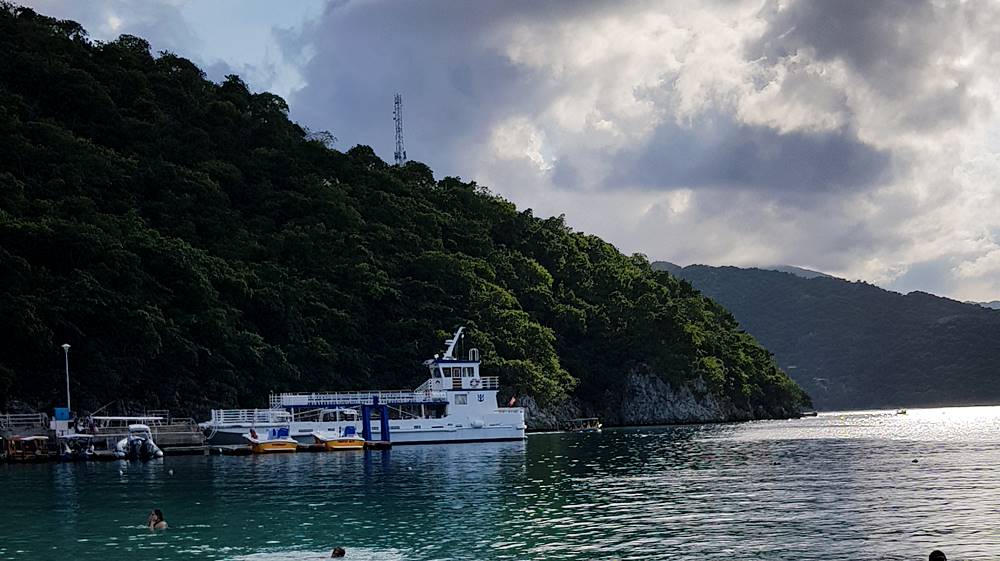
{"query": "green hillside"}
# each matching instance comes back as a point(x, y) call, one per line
point(853, 345)
point(197, 249)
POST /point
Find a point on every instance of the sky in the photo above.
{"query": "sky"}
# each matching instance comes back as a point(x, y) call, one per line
point(856, 137)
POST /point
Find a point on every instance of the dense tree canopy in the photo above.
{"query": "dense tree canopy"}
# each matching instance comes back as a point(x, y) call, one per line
point(197, 249)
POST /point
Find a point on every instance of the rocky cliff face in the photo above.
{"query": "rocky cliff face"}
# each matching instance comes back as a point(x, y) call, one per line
point(645, 399)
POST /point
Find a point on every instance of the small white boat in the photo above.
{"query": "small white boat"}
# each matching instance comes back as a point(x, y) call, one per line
point(274, 440)
point(138, 445)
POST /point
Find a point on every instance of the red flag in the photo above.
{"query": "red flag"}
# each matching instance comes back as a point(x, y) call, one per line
point(512, 401)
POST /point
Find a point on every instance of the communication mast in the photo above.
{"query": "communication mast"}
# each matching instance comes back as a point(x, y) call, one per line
point(397, 116)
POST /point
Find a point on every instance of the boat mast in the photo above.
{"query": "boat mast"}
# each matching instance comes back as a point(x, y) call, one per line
point(451, 344)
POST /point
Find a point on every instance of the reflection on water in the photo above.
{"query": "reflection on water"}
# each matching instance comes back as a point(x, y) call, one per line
point(836, 486)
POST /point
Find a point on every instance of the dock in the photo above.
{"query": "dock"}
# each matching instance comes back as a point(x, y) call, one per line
point(180, 436)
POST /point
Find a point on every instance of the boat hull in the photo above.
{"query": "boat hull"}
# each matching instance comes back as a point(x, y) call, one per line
point(352, 444)
point(274, 447)
point(304, 433)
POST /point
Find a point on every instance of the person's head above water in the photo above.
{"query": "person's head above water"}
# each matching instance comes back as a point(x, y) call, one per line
point(156, 520)
point(937, 555)
point(338, 552)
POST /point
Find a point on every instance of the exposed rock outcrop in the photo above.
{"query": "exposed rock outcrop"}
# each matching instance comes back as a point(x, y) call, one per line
point(646, 399)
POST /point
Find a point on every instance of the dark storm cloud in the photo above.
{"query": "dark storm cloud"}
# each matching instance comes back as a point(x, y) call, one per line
point(719, 152)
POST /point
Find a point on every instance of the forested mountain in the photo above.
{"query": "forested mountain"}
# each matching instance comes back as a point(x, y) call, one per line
point(197, 249)
point(854, 345)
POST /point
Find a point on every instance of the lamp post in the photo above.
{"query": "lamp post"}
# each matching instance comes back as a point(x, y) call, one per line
point(66, 352)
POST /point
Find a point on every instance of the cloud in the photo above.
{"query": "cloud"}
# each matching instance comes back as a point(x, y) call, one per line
point(161, 23)
point(720, 152)
point(222, 37)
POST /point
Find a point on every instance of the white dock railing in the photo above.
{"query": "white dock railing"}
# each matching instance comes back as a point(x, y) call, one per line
point(10, 420)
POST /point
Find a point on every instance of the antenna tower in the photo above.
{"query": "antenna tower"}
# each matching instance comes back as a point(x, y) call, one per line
point(397, 116)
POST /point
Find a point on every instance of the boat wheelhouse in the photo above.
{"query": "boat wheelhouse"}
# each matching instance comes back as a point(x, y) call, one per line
point(455, 404)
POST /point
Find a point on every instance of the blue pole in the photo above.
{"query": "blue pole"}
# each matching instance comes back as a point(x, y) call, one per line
point(384, 422)
point(366, 422)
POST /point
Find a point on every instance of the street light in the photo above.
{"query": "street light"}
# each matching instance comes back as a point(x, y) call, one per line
point(66, 352)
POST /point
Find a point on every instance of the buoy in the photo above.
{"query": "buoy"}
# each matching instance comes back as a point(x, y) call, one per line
point(170, 472)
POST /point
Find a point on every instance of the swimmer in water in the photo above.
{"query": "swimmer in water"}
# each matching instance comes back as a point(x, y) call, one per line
point(156, 521)
point(338, 552)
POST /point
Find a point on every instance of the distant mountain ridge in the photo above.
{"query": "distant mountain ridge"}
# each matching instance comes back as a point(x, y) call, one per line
point(673, 268)
point(854, 345)
point(797, 271)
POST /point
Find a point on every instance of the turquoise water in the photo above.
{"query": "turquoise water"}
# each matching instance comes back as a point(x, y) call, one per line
point(837, 486)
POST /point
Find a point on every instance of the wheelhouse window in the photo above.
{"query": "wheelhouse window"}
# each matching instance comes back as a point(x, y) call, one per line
point(461, 399)
point(468, 372)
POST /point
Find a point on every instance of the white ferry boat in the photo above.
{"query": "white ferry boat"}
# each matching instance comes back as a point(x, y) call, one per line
point(455, 404)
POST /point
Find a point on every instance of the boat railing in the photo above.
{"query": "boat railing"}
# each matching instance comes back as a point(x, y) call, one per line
point(424, 387)
point(11, 420)
point(510, 410)
point(490, 382)
point(122, 421)
point(249, 416)
point(355, 398)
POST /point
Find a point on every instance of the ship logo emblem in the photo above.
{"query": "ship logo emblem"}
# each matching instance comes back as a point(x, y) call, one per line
point(481, 397)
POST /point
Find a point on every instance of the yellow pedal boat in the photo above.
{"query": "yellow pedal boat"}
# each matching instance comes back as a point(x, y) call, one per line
point(347, 441)
point(277, 440)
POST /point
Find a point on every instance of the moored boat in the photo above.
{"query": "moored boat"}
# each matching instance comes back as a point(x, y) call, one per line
point(76, 447)
point(27, 449)
point(349, 440)
point(275, 440)
point(138, 445)
point(455, 404)
point(590, 424)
